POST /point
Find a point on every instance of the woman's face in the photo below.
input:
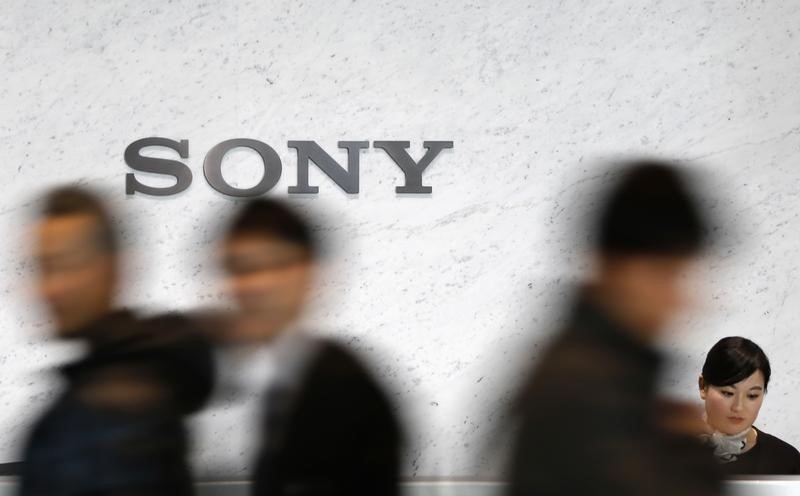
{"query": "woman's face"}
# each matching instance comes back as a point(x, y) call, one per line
point(732, 409)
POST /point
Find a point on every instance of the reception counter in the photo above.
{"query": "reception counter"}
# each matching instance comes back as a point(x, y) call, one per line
point(766, 486)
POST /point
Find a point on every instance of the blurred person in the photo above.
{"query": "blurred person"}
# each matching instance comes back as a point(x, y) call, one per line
point(590, 420)
point(116, 428)
point(733, 385)
point(326, 427)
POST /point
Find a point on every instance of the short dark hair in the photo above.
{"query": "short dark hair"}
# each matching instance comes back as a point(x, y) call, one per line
point(650, 211)
point(273, 218)
point(75, 200)
point(734, 359)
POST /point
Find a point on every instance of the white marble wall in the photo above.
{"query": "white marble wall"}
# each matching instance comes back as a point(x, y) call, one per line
point(449, 292)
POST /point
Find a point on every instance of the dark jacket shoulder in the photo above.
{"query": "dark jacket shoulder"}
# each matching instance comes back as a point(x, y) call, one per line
point(186, 358)
point(778, 456)
point(777, 445)
point(334, 357)
point(341, 436)
point(335, 371)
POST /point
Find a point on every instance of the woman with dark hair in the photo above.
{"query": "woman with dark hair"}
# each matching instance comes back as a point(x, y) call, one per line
point(734, 381)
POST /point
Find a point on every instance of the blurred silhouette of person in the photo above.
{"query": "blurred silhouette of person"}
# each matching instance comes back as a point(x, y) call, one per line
point(326, 427)
point(116, 429)
point(733, 385)
point(590, 420)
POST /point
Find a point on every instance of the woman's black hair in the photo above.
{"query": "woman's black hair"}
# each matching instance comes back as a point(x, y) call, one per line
point(732, 360)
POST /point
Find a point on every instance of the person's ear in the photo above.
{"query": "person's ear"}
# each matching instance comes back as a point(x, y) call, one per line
point(703, 387)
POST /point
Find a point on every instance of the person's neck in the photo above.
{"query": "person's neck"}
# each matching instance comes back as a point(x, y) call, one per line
point(752, 437)
point(256, 332)
point(96, 331)
point(749, 434)
point(616, 306)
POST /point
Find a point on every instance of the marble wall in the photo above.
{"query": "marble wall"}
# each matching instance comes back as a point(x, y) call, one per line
point(448, 295)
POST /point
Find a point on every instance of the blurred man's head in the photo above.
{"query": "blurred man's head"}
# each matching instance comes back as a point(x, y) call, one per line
point(269, 256)
point(77, 258)
point(650, 232)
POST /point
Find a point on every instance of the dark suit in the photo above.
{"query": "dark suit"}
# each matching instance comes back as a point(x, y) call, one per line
point(334, 434)
point(112, 447)
point(589, 421)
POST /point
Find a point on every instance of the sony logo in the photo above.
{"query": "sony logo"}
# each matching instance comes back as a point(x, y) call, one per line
point(346, 178)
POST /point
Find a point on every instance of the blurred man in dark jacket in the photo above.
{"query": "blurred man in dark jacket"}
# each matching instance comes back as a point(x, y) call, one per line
point(326, 426)
point(117, 428)
point(591, 423)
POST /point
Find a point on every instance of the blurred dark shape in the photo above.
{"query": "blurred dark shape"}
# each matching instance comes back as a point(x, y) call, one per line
point(117, 428)
point(10, 469)
point(651, 212)
point(326, 427)
point(590, 420)
point(733, 385)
